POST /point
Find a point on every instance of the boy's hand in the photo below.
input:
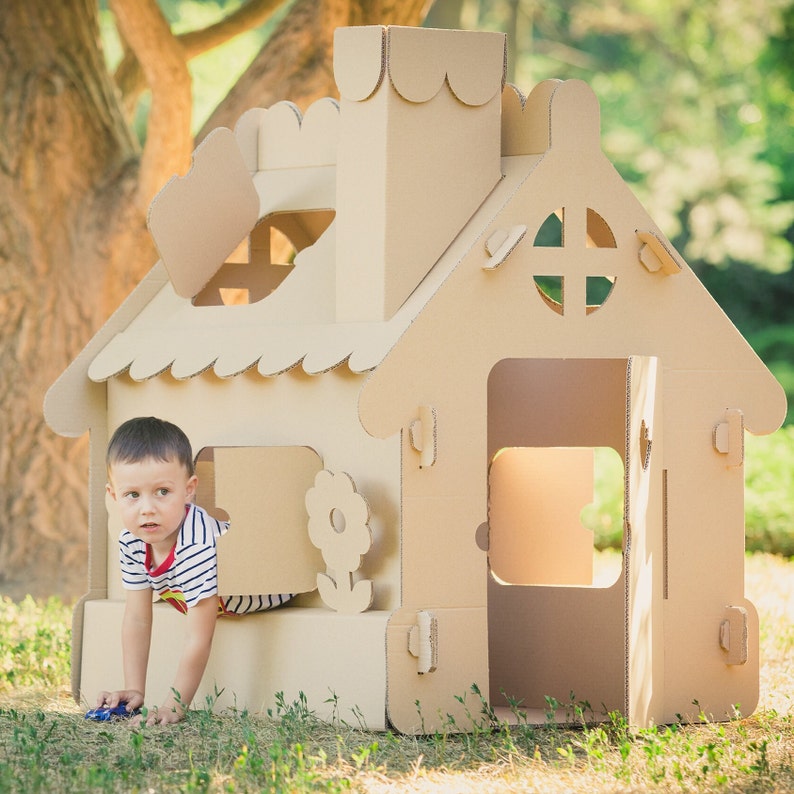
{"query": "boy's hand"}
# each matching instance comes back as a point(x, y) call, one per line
point(131, 697)
point(164, 715)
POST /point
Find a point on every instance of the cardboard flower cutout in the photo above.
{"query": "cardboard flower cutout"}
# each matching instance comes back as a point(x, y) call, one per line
point(338, 526)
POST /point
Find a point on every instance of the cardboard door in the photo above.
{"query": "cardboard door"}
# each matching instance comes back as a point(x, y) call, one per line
point(644, 541)
point(263, 490)
point(550, 633)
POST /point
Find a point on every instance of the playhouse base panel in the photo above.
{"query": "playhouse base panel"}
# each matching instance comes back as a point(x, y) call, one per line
point(338, 662)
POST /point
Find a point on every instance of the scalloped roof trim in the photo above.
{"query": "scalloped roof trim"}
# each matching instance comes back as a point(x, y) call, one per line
point(419, 62)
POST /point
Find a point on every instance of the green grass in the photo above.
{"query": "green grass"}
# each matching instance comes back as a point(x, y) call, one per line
point(34, 644)
point(47, 746)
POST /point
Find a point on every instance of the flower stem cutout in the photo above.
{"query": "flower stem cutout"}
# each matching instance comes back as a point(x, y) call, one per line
point(338, 526)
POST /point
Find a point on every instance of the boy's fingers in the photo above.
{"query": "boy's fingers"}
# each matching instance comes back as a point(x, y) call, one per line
point(109, 699)
point(134, 700)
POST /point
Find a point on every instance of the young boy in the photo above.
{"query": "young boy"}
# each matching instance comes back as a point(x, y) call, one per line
point(167, 545)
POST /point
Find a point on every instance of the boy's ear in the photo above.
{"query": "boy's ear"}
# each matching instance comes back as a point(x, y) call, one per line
point(110, 491)
point(192, 484)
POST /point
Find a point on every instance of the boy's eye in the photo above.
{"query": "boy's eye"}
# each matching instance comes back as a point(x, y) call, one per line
point(162, 491)
point(131, 495)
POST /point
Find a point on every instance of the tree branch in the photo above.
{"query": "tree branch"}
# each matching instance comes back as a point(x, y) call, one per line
point(296, 63)
point(129, 75)
point(168, 140)
point(250, 15)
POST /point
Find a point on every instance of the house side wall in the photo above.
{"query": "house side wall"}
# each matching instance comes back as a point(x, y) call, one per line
point(482, 316)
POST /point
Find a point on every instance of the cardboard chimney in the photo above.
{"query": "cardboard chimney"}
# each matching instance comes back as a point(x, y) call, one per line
point(354, 320)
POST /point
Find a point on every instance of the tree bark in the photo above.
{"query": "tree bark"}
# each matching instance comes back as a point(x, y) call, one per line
point(74, 187)
point(129, 76)
point(73, 243)
point(168, 137)
point(66, 166)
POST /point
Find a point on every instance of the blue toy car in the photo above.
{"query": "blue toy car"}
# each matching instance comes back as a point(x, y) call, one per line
point(107, 714)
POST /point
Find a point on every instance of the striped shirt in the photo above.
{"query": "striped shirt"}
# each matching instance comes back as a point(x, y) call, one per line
point(190, 572)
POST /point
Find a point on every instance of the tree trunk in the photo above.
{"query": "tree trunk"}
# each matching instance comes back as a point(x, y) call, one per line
point(67, 176)
point(73, 242)
point(296, 63)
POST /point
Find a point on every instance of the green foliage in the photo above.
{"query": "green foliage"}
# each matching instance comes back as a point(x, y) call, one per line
point(697, 111)
point(769, 492)
point(604, 516)
point(34, 643)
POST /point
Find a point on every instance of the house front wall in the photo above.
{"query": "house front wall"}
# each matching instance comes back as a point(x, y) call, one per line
point(651, 644)
point(304, 647)
point(704, 551)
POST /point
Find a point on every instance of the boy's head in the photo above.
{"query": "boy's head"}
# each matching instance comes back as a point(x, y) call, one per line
point(148, 437)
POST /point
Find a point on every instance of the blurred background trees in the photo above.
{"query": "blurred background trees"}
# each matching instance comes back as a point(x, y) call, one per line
point(103, 101)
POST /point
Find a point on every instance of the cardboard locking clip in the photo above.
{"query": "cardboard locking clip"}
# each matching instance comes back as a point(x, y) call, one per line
point(501, 244)
point(729, 437)
point(423, 436)
point(733, 635)
point(655, 255)
point(423, 642)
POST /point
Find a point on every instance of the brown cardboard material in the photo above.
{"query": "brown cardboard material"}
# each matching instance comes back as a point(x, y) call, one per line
point(436, 117)
point(267, 485)
point(400, 421)
point(253, 659)
point(536, 496)
point(182, 218)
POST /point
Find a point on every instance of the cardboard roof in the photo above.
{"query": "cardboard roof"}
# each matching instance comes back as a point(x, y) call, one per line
point(293, 326)
point(156, 329)
point(657, 307)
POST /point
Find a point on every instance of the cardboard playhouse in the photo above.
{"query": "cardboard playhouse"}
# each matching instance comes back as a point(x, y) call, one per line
point(401, 419)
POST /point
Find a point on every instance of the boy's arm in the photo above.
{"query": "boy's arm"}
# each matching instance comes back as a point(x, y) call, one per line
point(201, 620)
point(136, 634)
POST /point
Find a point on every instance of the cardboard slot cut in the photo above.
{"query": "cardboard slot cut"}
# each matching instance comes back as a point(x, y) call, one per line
point(423, 435)
point(733, 635)
point(423, 642)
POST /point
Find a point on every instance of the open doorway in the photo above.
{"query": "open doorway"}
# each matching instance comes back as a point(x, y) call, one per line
point(555, 630)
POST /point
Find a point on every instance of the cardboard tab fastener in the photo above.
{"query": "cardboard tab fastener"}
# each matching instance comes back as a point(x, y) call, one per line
point(423, 642)
point(733, 635)
point(655, 255)
point(729, 437)
point(423, 436)
point(501, 244)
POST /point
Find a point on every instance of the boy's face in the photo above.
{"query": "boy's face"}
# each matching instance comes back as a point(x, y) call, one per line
point(151, 495)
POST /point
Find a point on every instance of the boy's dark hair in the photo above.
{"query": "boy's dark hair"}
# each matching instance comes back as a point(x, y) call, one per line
point(149, 437)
